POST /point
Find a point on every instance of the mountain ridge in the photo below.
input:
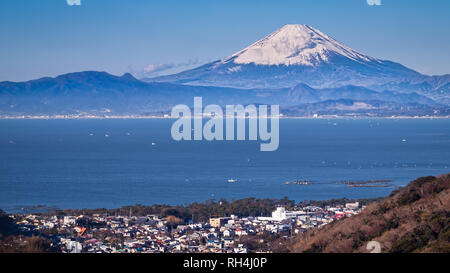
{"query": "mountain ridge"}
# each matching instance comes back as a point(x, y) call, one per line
point(99, 93)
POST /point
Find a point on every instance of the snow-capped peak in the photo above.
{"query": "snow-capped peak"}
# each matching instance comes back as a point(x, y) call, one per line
point(295, 45)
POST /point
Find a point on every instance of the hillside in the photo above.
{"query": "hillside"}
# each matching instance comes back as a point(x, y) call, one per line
point(415, 218)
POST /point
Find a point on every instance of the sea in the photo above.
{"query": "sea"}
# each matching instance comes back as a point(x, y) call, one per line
point(109, 163)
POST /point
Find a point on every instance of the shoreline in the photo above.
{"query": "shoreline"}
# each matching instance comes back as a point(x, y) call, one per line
point(159, 117)
point(45, 209)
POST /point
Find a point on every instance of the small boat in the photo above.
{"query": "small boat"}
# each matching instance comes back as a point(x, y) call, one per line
point(301, 182)
point(287, 182)
point(232, 180)
point(153, 143)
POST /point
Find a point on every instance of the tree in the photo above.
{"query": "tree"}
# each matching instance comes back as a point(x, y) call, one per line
point(37, 244)
point(173, 221)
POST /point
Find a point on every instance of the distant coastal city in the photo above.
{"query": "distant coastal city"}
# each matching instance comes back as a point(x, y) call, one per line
point(167, 116)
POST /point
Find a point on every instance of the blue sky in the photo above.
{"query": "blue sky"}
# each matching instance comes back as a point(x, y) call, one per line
point(47, 38)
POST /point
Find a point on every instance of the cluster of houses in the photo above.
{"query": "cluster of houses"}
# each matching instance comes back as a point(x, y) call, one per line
point(102, 233)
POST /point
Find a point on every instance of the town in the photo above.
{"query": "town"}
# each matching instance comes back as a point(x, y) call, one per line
point(102, 233)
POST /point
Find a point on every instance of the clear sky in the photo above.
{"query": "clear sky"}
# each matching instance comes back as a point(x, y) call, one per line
point(47, 38)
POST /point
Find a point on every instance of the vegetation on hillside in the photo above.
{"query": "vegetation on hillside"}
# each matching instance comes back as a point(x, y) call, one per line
point(199, 212)
point(202, 211)
point(415, 218)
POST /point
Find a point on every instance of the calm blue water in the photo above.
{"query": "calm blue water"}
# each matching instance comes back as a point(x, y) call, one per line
point(58, 163)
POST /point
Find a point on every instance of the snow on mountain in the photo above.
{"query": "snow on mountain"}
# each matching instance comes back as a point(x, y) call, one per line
point(291, 55)
point(295, 45)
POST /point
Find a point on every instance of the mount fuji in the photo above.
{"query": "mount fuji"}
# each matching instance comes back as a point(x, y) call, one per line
point(291, 55)
point(298, 67)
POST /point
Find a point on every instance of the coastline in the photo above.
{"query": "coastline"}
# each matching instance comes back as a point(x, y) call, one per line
point(68, 117)
point(44, 209)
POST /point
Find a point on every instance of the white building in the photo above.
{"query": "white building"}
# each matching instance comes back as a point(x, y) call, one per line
point(69, 220)
point(352, 205)
point(281, 214)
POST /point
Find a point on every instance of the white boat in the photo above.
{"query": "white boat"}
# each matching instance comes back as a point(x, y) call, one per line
point(232, 180)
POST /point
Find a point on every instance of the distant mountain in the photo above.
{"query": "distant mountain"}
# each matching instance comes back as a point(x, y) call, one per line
point(415, 218)
point(291, 55)
point(302, 93)
point(300, 54)
point(101, 94)
point(434, 87)
point(363, 108)
point(298, 67)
